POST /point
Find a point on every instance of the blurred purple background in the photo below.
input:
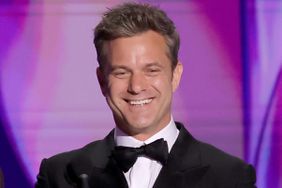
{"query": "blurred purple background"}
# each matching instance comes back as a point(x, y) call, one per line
point(230, 94)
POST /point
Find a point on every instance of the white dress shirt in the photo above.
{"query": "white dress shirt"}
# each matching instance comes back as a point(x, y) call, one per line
point(145, 171)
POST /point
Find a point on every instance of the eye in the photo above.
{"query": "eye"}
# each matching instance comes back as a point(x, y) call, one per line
point(120, 73)
point(153, 71)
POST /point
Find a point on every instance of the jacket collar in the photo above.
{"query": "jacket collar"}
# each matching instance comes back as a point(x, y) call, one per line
point(94, 160)
point(184, 166)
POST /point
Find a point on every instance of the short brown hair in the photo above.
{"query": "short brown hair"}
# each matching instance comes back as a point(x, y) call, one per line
point(130, 19)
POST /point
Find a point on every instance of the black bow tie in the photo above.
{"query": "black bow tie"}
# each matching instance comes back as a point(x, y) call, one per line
point(127, 156)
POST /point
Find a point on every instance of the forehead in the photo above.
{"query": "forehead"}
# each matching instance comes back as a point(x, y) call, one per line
point(147, 47)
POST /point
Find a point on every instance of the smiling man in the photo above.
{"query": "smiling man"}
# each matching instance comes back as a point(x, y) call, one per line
point(137, 51)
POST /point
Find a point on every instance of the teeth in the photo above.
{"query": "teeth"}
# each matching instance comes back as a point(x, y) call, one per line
point(140, 102)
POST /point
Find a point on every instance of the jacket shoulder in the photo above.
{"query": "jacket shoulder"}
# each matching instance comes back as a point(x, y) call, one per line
point(65, 157)
point(224, 165)
point(215, 155)
point(54, 170)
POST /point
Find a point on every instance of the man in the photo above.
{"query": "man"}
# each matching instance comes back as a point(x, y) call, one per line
point(137, 50)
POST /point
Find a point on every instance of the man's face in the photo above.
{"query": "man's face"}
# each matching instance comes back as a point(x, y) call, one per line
point(138, 83)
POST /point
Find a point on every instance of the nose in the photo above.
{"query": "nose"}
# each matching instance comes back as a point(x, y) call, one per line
point(137, 83)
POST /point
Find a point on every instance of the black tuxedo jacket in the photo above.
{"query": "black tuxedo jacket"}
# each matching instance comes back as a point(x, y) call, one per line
point(191, 164)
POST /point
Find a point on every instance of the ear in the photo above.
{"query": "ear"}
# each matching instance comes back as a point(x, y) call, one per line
point(176, 76)
point(102, 80)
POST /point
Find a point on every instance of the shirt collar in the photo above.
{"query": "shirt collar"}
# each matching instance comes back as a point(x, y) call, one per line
point(169, 133)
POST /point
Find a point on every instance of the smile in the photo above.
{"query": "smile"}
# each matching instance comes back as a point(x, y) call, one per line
point(140, 102)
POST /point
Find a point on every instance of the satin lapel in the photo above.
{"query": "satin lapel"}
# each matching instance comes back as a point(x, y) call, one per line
point(184, 167)
point(109, 177)
point(95, 161)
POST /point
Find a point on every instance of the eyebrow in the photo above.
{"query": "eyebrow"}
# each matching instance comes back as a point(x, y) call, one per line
point(118, 67)
point(154, 64)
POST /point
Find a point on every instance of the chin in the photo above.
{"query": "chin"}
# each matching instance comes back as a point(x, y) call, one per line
point(136, 125)
point(140, 127)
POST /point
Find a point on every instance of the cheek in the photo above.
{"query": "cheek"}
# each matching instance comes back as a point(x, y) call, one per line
point(116, 87)
point(162, 83)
